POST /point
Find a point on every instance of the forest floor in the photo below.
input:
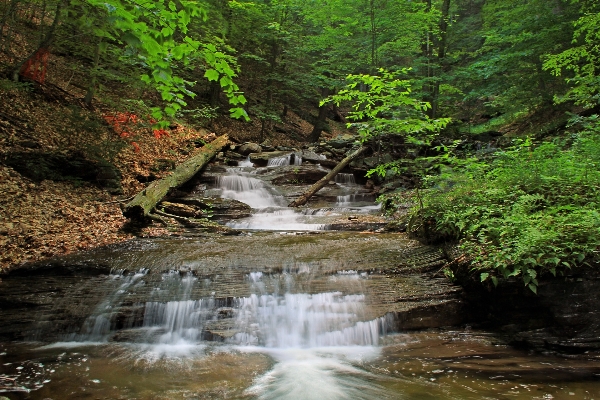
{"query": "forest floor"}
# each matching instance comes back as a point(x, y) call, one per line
point(40, 219)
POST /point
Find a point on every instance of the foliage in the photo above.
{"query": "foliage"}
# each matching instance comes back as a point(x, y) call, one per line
point(581, 62)
point(156, 34)
point(388, 108)
point(505, 71)
point(527, 211)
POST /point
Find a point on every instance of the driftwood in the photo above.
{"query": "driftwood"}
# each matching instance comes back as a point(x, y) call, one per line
point(145, 201)
point(323, 181)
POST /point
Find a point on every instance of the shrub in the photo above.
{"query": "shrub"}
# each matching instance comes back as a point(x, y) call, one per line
point(527, 211)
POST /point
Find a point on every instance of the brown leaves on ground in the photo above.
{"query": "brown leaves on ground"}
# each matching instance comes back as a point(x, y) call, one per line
point(51, 218)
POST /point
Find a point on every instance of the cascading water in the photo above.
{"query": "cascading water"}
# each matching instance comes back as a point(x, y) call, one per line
point(270, 211)
point(307, 334)
point(249, 190)
point(290, 159)
point(263, 315)
point(345, 179)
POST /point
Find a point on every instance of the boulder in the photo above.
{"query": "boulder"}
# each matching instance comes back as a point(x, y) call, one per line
point(266, 156)
point(249, 148)
point(311, 156)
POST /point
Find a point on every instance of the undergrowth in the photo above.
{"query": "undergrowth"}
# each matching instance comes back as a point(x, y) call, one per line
point(526, 211)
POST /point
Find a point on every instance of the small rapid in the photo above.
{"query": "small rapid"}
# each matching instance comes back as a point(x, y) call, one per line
point(251, 186)
point(288, 309)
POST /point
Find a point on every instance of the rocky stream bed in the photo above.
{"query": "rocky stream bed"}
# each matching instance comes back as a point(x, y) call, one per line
point(290, 304)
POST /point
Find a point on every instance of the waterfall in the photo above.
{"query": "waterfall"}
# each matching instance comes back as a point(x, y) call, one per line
point(290, 159)
point(306, 321)
point(248, 190)
point(345, 179)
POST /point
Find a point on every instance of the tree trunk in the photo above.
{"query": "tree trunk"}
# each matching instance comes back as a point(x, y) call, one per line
point(143, 203)
point(323, 181)
point(45, 43)
point(315, 135)
point(441, 56)
point(8, 19)
point(89, 96)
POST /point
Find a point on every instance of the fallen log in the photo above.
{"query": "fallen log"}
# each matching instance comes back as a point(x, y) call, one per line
point(323, 181)
point(145, 201)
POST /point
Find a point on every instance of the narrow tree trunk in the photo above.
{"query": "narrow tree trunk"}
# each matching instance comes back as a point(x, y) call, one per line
point(9, 16)
point(45, 43)
point(427, 49)
point(89, 96)
point(323, 181)
point(441, 56)
point(373, 36)
point(320, 123)
point(143, 203)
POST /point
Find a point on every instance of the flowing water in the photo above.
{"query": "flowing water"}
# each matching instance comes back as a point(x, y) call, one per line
point(290, 312)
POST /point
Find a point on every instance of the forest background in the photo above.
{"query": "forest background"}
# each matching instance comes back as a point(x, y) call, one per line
point(494, 104)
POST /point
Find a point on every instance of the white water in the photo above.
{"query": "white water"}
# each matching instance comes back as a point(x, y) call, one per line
point(290, 159)
point(270, 209)
point(317, 341)
point(246, 163)
point(249, 190)
point(305, 321)
point(345, 179)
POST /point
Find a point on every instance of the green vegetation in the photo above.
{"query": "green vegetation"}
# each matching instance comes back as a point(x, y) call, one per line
point(428, 79)
point(524, 211)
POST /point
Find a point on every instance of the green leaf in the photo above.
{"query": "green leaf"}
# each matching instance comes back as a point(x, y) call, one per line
point(533, 288)
point(238, 113)
point(211, 75)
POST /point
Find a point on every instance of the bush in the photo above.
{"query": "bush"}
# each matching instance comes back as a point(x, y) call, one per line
point(527, 211)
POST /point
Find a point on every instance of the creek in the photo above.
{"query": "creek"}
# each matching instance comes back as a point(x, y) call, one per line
point(291, 308)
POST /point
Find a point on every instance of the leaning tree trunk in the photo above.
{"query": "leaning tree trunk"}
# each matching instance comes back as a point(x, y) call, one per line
point(323, 181)
point(143, 203)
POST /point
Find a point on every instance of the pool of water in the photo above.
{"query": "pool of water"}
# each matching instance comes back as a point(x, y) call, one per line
point(425, 365)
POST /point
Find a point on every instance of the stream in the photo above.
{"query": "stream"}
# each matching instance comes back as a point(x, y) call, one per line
point(292, 308)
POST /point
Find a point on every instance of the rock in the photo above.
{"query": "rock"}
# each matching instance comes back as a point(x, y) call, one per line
point(564, 316)
point(371, 162)
point(249, 148)
point(339, 143)
point(68, 166)
point(311, 156)
point(263, 158)
point(233, 155)
point(298, 175)
point(267, 146)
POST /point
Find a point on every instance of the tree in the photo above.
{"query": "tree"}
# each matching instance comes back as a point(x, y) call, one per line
point(580, 63)
point(507, 71)
point(388, 108)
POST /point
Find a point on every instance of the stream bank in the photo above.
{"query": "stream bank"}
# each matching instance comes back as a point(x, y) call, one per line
point(293, 296)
